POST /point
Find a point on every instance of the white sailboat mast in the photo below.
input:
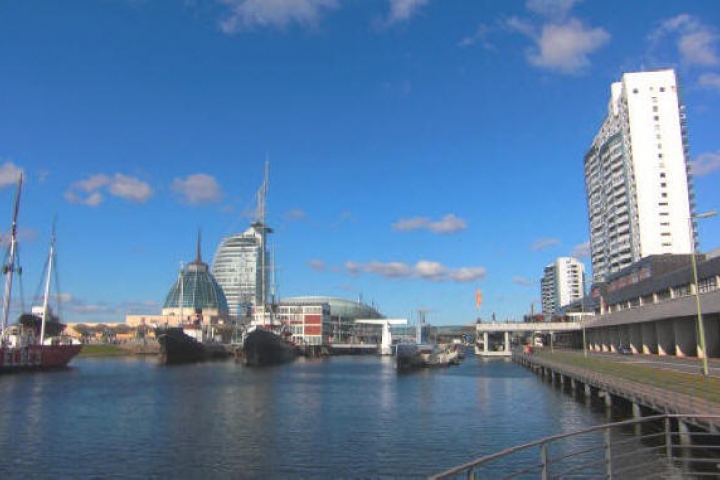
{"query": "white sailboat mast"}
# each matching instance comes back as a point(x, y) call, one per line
point(46, 297)
point(9, 269)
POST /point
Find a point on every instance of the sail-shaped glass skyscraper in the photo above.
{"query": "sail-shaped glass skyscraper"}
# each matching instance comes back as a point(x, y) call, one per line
point(240, 266)
point(241, 263)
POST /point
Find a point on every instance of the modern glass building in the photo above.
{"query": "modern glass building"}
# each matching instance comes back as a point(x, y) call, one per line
point(241, 267)
point(637, 180)
point(196, 295)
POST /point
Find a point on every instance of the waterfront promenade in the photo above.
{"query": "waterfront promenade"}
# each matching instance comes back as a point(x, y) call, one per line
point(674, 414)
point(660, 385)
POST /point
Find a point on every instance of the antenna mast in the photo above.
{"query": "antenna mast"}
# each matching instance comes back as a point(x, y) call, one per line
point(263, 230)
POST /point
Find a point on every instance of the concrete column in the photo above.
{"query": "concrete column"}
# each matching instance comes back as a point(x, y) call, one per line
point(665, 337)
point(507, 341)
point(635, 338)
point(485, 342)
point(604, 346)
point(712, 334)
point(608, 399)
point(686, 339)
point(649, 338)
point(636, 410)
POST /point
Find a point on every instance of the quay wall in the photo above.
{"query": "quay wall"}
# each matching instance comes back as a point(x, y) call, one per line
point(612, 388)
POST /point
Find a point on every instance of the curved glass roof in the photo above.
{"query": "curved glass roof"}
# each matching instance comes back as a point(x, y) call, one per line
point(338, 306)
point(197, 288)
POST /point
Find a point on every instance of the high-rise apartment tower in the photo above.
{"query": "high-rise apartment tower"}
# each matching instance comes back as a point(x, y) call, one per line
point(637, 176)
point(562, 284)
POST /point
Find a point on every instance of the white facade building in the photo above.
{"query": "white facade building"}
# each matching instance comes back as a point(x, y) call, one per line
point(242, 270)
point(637, 175)
point(562, 283)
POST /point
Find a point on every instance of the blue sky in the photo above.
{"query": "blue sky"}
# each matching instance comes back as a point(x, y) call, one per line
point(418, 149)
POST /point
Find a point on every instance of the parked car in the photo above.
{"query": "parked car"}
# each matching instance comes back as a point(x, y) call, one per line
point(623, 350)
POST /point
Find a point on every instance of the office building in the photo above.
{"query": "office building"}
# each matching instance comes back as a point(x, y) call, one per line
point(561, 284)
point(637, 179)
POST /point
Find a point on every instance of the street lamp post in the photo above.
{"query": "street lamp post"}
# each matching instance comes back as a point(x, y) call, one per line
point(700, 325)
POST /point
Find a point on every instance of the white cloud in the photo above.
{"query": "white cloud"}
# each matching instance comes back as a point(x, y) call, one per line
point(448, 224)
point(544, 243)
point(295, 215)
point(423, 269)
point(89, 192)
point(247, 14)
point(552, 9)
point(92, 200)
point(198, 189)
point(526, 282)
point(130, 188)
point(561, 42)
point(706, 163)
point(9, 173)
point(481, 35)
point(317, 265)
point(430, 270)
point(566, 47)
point(402, 10)
point(24, 235)
point(696, 42)
point(710, 80)
point(467, 274)
point(581, 251)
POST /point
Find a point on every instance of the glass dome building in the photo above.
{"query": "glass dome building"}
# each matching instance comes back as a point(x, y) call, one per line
point(196, 295)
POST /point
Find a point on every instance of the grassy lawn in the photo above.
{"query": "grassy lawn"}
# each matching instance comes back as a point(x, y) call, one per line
point(89, 350)
point(690, 384)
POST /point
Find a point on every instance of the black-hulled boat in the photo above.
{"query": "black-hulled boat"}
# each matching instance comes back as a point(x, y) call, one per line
point(178, 347)
point(185, 344)
point(262, 346)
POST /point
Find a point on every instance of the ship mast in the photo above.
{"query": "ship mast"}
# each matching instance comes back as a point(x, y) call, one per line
point(9, 269)
point(45, 308)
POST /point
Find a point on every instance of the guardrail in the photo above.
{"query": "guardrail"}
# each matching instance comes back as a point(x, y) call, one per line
point(659, 446)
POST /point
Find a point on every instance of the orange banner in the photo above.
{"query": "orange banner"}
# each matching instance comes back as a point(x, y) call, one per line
point(478, 298)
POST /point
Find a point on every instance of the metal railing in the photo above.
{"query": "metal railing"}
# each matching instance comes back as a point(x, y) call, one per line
point(660, 446)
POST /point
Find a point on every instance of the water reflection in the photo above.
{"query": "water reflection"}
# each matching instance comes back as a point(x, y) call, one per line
point(352, 417)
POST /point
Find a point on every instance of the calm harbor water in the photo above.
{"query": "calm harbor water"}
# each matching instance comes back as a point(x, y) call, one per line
point(339, 417)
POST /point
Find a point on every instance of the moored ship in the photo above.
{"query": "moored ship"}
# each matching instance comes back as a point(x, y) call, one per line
point(264, 346)
point(35, 342)
point(197, 336)
point(188, 343)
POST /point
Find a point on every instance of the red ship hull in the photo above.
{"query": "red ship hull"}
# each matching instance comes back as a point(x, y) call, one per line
point(36, 357)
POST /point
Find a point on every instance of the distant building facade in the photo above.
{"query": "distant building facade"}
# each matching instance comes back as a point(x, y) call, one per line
point(637, 179)
point(562, 283)
point(316, 320)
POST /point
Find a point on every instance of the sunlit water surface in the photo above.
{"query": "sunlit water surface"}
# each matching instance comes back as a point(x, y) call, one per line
point(339, 417)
